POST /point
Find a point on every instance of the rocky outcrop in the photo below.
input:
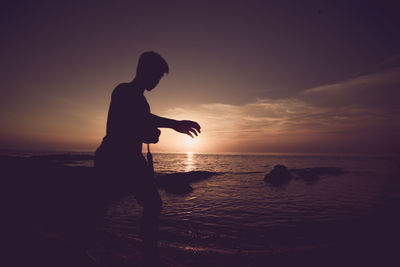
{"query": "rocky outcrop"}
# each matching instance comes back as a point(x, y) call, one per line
point(280, 174)
point(320, 171)
point(179, 183)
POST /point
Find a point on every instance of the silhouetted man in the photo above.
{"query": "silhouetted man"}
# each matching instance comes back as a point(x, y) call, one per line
point(119, 157)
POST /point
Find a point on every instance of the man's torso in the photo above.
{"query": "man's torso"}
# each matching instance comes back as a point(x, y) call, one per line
point(128, 115)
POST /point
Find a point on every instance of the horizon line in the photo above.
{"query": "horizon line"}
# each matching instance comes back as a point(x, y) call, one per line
point(91, 151)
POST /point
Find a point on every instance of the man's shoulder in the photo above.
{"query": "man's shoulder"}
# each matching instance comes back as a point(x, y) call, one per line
point(121, 88)
point(123, 91)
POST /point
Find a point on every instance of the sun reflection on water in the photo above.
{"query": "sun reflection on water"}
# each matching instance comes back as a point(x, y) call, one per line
point(190, 162)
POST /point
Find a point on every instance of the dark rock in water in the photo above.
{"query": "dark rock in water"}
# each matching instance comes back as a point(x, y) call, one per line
point(63, 158)
point(279, 175)
point(327, 171)
point(179, 183)
point(282, 175)
point(313, 174)
point(306, 174)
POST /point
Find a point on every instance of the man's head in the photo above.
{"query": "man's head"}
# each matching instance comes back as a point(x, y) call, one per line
point(151, 67)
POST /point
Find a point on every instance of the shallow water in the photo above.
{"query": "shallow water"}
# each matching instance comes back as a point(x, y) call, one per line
point(237, 210)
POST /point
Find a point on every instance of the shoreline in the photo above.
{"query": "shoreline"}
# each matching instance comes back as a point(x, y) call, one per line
point(113, 250)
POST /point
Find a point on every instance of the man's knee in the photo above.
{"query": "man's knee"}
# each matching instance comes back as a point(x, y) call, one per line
point(153, 208)
point(156, 205)
point(149, 198)
point(159, 205)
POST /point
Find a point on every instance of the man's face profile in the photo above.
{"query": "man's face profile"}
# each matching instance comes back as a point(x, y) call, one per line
point(153, 81)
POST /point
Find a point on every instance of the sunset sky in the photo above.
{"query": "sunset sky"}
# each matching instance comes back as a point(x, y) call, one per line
point(259, 76)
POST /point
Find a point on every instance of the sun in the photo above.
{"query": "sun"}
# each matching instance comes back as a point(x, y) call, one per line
point(189, 141)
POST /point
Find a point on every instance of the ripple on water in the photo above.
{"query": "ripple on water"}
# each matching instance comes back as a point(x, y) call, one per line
point(238, 210)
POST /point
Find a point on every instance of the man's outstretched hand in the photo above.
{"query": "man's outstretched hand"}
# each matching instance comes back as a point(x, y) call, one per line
point(190, 128)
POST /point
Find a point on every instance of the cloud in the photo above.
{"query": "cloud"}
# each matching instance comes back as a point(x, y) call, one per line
point(363, 109)
point(376, 90)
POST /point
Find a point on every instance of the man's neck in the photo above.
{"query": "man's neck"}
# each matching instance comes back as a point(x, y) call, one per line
point(137, 85)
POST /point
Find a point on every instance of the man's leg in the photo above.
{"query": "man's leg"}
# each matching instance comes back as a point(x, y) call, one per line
point(149, 198)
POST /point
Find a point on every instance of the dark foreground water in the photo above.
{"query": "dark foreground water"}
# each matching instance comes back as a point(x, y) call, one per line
point(236, 210)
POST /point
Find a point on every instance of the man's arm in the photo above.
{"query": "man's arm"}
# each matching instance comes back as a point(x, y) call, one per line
point(186, 127)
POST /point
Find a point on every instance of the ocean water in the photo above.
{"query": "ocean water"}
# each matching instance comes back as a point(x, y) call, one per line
point(235, 210)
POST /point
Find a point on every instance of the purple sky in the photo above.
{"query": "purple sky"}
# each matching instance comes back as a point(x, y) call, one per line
point(282, 76)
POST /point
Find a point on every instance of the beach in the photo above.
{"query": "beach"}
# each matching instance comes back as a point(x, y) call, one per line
point(229, 216)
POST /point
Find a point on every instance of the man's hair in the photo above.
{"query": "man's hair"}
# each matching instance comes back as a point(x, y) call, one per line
point(151, 62)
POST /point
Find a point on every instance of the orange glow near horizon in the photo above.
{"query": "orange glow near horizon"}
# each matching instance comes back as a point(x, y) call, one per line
point(171, 141)
point(263, 125)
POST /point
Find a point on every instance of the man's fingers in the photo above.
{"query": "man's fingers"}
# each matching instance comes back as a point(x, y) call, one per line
point(197, 126)
point(193, 131)
point(190, 128)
